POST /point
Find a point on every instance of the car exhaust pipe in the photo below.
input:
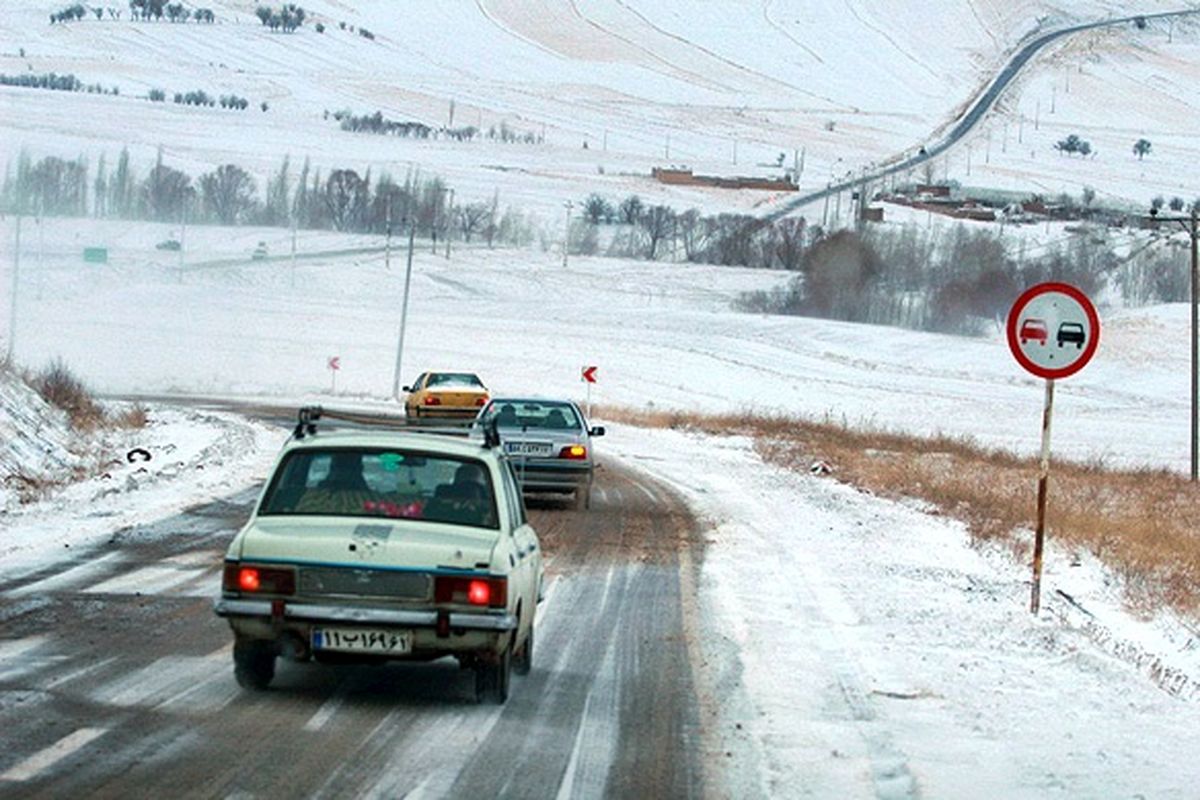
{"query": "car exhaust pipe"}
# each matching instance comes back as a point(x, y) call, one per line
point(293, 646)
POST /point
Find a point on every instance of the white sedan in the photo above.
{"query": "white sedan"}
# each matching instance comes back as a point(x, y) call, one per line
point(385, 545)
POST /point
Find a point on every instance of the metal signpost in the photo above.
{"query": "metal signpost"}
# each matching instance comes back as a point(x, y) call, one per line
point(1053, 331)
point(588, 376)
point(412, 232)
point(334, 364)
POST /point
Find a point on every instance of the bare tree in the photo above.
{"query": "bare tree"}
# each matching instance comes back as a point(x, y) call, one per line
point(657, 223)
point(343, 193)
point(228, 193)
point(472, 218)
point(166, 192)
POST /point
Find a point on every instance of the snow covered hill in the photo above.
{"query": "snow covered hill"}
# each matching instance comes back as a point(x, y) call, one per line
point(722, 87)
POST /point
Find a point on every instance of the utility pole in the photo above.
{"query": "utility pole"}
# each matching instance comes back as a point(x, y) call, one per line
point(449, 223)
point(182, 235)
point(293, 251)
point(387, 241)
point(1195, 354)
point(567, 233)
point(16, 280)
point(1190, 224)
point(606, 140)
point(412, 232)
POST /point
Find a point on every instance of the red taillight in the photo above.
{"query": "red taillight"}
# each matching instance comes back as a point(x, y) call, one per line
point(481, 401)
point(491, 592)
point(574, 451)
point(259, 580)
point(479, 593)
point(248, 579)
point(432, 400)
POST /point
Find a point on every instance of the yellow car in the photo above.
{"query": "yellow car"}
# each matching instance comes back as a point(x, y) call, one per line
point(445, 395)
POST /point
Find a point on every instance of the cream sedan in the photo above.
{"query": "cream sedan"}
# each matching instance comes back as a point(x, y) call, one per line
point(381, 546)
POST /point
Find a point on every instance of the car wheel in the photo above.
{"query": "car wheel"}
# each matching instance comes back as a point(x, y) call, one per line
point(254, 663)
point(583, 497)
point(523, 661)
point(493, 679)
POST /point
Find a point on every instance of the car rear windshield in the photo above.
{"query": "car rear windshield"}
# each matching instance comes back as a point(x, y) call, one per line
point(383, 483)
point(453, 379)
point(529, 414)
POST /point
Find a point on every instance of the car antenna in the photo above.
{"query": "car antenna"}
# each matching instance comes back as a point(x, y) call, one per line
point(491, 432)
point(306, 424)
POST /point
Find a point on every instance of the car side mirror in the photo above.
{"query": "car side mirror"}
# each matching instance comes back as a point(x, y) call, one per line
point(406, 388)
point(596, 431)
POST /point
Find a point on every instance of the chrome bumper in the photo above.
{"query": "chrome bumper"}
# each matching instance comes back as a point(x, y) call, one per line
point(366, 616)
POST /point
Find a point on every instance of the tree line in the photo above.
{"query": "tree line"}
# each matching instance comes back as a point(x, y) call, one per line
point(378, 124)
point(959, 280)
point(342, 200)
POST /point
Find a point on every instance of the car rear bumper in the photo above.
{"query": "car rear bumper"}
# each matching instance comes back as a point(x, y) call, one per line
point(551, 476)
point(446, 412)
point(312, 612)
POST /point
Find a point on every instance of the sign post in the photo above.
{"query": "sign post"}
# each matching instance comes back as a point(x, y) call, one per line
point(588, 376)
point(334, 364)
point(1053, 331)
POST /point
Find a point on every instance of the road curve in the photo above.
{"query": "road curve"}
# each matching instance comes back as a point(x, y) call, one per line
point(970, 119)
point(116, 679)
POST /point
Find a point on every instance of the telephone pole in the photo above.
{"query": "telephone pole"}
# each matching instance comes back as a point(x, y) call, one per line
point(412, 233)
point(16, 280)
point(449, 223)
point(1190, 224)
point(567, 233)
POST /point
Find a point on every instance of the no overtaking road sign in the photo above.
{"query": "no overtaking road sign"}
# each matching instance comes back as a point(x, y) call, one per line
point(1053, 330)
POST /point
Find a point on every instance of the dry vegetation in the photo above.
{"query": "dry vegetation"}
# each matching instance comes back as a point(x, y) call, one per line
point(1143, 524)
point(59, 387)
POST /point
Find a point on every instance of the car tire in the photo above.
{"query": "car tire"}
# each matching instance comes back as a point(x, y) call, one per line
point(492, 680)
point(583, 497)
point(254, 664)
point(523, 661)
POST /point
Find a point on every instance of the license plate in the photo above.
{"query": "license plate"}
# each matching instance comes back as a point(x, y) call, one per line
point(528, 448)
point(362, 640)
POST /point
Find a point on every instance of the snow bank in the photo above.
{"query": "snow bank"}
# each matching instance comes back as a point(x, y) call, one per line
point(34, 439)
point(860, 648)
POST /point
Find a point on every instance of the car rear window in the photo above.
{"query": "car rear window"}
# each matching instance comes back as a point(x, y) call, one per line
point(382, 483)
point(530, 414)
point(449, 379)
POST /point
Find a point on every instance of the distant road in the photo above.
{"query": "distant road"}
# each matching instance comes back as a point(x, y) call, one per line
point(978, 110)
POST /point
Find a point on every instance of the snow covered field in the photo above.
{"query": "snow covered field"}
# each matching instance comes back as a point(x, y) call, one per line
point(663, 335)
point(721, 87)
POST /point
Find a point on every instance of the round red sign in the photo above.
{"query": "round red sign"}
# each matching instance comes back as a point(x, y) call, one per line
point(1053, 330)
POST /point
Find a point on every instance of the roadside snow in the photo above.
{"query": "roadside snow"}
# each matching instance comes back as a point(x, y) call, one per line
point(858, 647)
point(34, 438)
point(193, 457)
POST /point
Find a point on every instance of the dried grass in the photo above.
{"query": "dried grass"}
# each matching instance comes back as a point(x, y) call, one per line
point(1143, 524)
point(133, 418)
point(59, 387)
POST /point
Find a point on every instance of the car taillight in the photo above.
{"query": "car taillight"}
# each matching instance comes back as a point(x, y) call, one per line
point(574, 451)
point(259, 580)
point(481, 401)
point(432, 400)
point(491, 592)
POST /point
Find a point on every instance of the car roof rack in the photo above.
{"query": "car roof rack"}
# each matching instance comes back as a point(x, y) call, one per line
point(308, 416)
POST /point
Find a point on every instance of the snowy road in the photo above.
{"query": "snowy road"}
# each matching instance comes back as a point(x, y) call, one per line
point(116, 679)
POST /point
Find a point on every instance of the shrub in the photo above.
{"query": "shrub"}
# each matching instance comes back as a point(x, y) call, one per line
point(59, 387)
